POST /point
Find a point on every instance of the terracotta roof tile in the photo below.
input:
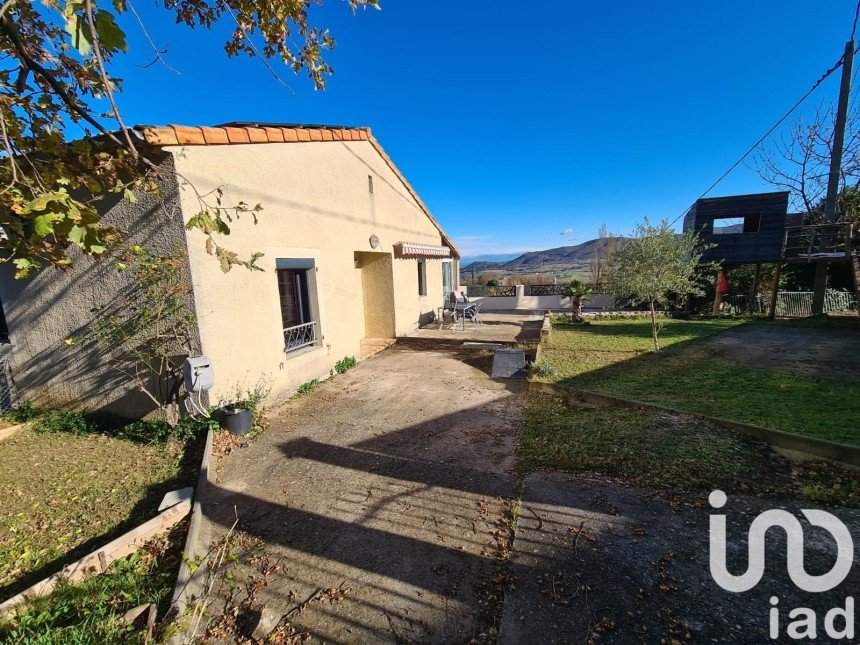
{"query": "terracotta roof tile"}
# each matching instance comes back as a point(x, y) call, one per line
point(290, 134)
point(214, 135)
point(159, 136)
point(303, 134)
point(316, 135)
point(337, 135)
point(257, 135)
point(237, 135)
point(188, 135)
point(275, 135)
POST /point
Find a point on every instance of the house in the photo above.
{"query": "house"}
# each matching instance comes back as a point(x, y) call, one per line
point(351, 254)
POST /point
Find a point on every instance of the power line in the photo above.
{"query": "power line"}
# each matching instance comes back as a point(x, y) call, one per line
point(740, 160)
point(854, 25)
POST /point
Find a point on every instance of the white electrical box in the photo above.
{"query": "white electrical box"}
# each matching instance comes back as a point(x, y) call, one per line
point(198, 374)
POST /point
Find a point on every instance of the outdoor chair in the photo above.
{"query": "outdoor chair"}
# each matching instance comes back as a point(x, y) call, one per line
point(454, 302)
point(473, 313)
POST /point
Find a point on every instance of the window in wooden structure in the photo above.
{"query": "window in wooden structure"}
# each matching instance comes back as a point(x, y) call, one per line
point(737, 224)
point(422, 277)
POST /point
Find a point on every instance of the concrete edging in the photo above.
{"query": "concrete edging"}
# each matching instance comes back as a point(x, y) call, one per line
point(186, 577)
point(545, 333)
point(839, 452)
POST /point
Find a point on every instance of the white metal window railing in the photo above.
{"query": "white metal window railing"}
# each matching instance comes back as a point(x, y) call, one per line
point(300, 336)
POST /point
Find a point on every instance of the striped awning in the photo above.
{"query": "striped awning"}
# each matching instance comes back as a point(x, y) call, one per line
point(419, 250)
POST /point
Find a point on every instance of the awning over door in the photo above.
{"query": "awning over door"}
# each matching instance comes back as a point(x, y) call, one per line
point(419, 250)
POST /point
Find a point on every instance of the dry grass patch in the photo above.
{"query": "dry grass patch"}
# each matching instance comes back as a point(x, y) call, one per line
point(63, 495)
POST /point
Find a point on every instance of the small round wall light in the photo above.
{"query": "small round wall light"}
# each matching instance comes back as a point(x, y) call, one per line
point(374, 242)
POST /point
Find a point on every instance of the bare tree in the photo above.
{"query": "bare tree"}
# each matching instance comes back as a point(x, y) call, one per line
point(601, 256)
point(799, 162)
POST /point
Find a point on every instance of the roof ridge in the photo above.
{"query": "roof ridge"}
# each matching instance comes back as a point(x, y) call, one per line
point(184, 135)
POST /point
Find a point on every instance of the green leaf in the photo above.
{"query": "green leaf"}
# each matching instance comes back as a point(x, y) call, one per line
point(41, 202)
point(44, 224)
point(130, 196)
point(77, 235)
point(77, 29)
point(24, 267)
point(111, 37)
point(220, 226)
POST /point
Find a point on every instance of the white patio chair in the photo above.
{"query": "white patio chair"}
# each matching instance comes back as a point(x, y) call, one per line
point(473, 313)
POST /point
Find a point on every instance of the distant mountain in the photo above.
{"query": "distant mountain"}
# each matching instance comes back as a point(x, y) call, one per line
point(562, 258)
point(488, 257)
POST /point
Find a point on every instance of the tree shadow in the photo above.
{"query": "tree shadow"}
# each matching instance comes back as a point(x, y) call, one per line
point(146, 508)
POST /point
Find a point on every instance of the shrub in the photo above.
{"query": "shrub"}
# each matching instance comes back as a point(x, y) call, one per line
point(148, 431)
point(252, 399)
point(344, 364)
point(78, 422)
point(544, 369)
point(307, 388)
point(23, 413)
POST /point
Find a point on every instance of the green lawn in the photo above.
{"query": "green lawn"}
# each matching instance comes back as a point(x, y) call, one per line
point(63, 495)
point(664, 451)
point(614, 357)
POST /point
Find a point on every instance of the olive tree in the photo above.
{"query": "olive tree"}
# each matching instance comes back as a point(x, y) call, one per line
point(655, 262)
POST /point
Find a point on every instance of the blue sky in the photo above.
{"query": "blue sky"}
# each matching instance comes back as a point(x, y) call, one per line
point(525, 125)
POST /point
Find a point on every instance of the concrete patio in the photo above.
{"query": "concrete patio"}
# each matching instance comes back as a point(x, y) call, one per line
point(383, 496)
point(505, 328)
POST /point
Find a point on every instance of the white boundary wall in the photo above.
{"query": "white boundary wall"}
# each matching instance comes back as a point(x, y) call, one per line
point(523, 302)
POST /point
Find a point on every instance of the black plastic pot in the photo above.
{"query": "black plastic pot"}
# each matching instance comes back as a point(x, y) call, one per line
point(237, 421)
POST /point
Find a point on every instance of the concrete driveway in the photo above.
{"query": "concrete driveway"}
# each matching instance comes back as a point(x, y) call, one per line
point(374, 508)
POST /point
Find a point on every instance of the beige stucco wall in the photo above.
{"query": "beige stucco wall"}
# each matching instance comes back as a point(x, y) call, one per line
point(316, 204)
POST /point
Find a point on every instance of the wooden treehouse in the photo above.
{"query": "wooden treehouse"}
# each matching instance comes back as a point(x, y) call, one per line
point(758, 229)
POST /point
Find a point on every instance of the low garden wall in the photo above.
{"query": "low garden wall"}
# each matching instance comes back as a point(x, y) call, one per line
point(532, 298)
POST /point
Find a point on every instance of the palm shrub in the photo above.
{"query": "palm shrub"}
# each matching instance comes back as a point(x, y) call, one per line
point(575, 291)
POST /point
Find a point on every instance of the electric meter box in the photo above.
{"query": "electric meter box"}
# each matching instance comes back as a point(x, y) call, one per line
point(198, 374)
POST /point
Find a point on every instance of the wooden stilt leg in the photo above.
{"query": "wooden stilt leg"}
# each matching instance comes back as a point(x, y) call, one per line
point(718, 298)
point(774, 293)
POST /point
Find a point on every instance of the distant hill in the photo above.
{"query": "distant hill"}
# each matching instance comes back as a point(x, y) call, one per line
point(563, 258)
point(488, 257)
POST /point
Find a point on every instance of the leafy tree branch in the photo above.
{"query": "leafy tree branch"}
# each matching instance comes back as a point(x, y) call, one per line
point(55, 81)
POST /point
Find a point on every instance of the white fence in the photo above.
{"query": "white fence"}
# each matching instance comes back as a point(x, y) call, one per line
point(793, 304)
